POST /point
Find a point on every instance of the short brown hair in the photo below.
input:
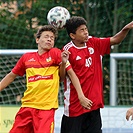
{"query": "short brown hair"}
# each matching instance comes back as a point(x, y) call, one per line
point(47, 28)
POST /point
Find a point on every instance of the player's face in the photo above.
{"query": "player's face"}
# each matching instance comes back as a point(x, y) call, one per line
point(46, 41)
point(81, 35)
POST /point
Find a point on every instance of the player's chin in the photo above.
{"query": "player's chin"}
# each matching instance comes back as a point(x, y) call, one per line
point(48, 48)
point(85, 40)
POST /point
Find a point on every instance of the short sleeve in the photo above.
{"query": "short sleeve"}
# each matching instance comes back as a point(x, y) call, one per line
point(19, 68)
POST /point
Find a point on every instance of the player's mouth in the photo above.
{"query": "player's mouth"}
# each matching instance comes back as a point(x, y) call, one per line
point(86, 38)
point(48, 44)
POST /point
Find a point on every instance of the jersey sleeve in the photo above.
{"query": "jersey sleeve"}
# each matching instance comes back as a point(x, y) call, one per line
point(19, 68)
point(103, 45)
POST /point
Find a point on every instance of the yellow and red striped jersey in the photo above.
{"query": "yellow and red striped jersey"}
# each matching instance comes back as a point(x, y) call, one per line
point(42, 78)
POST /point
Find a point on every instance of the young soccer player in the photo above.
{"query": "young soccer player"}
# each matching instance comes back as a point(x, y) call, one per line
point(42, 69)
point(86, 61)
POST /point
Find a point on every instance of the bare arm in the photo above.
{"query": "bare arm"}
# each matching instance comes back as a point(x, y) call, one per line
point(62, 69)
point(119, 37)
point(85, 102)
point(129, 113)
point(7, 80)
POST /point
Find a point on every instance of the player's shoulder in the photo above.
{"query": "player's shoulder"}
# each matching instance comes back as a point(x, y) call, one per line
point(55, 50)
point(92, 38)
point(29, 53)
point(68, 46)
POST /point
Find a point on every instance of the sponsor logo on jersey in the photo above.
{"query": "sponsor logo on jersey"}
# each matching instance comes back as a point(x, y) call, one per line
point(39, 77)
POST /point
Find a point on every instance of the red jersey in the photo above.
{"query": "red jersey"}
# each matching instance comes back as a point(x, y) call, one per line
point(87, 64)
point(42, 77)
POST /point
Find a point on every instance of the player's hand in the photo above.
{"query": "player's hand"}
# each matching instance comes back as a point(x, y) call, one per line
point(65, 56)
point(129, 25)
point(129, 113)
point(85, 102)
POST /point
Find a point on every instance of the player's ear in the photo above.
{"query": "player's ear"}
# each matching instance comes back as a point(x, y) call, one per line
point(72, 35)
point(37, 39)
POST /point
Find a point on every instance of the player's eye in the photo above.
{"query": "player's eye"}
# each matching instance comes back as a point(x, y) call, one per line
point(47, 36)
point(52, 38)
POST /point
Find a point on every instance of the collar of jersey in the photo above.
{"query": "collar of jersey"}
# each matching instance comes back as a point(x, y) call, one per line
point(78, 47)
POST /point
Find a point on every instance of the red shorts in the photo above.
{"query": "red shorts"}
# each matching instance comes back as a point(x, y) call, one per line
point(30, 120)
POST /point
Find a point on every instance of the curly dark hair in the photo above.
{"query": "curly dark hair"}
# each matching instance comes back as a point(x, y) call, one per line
point(47, 28)
point(73, 23)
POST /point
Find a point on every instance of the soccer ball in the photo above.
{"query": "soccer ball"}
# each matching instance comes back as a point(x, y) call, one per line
point(57, 16)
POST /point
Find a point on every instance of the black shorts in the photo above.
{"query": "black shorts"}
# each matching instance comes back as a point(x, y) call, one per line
point(86, 123)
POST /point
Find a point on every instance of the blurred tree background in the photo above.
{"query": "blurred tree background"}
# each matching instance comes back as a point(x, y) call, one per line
point(20, 19)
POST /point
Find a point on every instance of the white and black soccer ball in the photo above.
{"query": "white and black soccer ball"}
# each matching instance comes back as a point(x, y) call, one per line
point(57, 16)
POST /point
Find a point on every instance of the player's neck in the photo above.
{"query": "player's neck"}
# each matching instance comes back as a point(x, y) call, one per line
point(42, 51)
point(78, 44)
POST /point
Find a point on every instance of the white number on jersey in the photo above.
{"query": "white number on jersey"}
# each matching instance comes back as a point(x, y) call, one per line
point(88, 62)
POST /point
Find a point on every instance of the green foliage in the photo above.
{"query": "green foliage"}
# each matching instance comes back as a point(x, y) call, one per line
point(20, 19)
point(19, 23)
